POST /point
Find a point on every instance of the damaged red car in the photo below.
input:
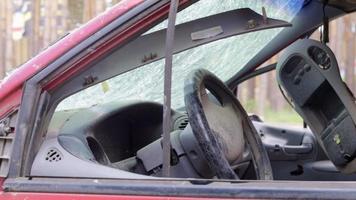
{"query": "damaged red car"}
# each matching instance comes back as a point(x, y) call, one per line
point(84, 119)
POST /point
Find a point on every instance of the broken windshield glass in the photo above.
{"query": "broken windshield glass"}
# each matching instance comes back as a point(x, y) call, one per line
point(223, 57)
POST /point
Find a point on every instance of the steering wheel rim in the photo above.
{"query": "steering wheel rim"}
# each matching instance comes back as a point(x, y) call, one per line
point(218, 147)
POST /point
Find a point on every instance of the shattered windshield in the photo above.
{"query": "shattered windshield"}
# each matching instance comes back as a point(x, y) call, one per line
point(223, 57)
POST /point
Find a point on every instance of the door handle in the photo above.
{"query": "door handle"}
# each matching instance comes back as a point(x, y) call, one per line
point(298, 149)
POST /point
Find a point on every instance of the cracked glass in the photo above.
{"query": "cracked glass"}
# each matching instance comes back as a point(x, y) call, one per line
point(223, 57)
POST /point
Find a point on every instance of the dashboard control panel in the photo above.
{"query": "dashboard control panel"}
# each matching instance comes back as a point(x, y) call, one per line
point(309, 74)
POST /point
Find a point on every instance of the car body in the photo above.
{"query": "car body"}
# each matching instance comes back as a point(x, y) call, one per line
point(22, 102)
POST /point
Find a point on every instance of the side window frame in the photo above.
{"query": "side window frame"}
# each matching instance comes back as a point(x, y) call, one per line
point(36, 111)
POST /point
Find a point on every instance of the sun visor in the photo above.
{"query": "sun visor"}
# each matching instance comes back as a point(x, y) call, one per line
point(194, 33)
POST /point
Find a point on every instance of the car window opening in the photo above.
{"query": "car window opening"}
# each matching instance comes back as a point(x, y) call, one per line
point(129, 135)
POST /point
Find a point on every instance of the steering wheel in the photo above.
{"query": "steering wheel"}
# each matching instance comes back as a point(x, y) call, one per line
point(221, 126)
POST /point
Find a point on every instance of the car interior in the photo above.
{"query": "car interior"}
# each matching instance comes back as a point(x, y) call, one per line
point(212, 135)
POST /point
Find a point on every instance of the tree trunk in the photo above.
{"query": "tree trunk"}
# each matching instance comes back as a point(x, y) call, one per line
point(2, 37)
point(262, 95)
point(251, 85)
point(9, 57)
point(349, 46)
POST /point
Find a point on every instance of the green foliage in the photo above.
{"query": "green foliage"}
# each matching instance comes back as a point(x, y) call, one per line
point(250, 106)
point(285, 116)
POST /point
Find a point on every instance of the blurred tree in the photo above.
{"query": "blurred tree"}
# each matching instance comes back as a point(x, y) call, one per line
point(2, 36)
point(75, 13)
point(274, 97)
point(35, 33)
point(251, 86)
point(92, 8)
point(9, 56)
point(349, 49)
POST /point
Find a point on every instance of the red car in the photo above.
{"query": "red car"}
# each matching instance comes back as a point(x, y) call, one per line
point(83, 119)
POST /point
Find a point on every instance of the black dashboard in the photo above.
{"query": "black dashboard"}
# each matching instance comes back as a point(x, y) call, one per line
point(114, 131)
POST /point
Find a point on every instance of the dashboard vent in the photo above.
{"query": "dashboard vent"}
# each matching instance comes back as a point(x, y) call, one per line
point(53, 155)
point(181, 123)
